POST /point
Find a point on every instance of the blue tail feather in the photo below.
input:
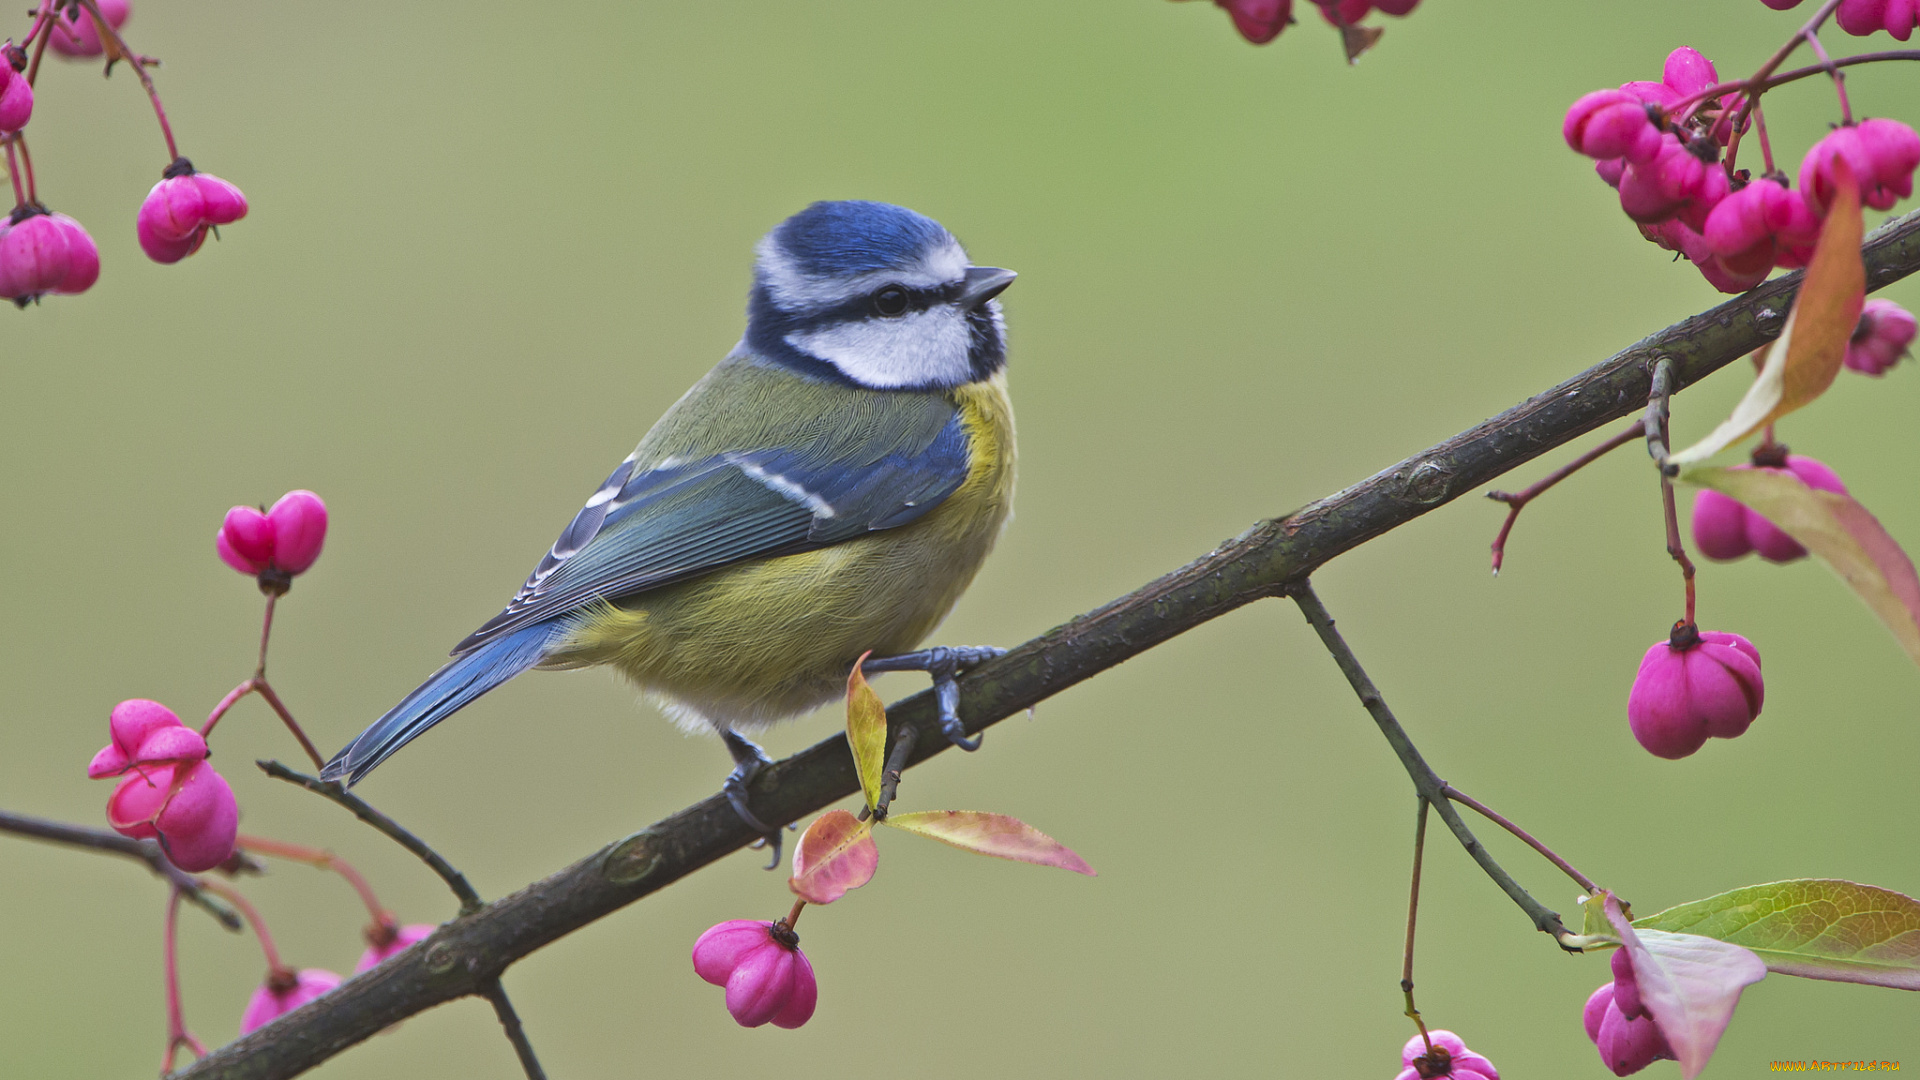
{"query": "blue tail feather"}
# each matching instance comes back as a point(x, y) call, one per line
point(445, 693)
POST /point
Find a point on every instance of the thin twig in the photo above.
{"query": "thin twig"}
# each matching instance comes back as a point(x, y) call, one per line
point(146, 851)
point(1517, 502)
point(1430, 786)
point(1658, 443)
point(1413, 915)
point(261, 687)
point(469, 900)
point(1485, 811)
point(516, 1034)
point(903, 744)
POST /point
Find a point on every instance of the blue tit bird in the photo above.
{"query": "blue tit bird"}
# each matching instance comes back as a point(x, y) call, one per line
point(829, 489)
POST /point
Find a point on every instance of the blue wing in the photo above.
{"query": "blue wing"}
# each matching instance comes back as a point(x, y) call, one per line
point(641, 531)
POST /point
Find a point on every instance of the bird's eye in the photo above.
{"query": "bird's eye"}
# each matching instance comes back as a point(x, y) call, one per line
point(891, 301)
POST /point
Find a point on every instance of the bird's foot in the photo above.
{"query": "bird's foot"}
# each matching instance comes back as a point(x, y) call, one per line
point(748, 760)
point(946, 664)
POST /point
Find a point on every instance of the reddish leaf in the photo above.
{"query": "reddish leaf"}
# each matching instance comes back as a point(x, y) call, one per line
point(1690, 984)
point(1804, 360)
point(835, 854)
point(992, 834)
point(866, 731)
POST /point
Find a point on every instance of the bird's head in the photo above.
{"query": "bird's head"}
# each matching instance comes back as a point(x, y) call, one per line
point(876, 295)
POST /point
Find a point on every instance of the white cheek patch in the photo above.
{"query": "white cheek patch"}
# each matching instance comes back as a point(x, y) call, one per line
point(926, 348)
point(794, 290)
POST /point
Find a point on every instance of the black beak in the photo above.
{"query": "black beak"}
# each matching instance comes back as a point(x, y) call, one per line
point(983, 283)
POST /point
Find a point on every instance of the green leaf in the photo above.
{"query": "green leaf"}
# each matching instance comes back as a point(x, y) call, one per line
point(835, 854)
point(1840, 531)
point(866, 731)
point(1816, 928)
point(1690, 983)
point(1803, 361)
point(1593, 916)
point(992, 834)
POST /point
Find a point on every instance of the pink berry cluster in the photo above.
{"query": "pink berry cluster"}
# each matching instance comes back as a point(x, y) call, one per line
point(1260, 21)
point(1660, 145)
point(768, 978)
point(169, 792)
point(1863, 17)
point(1449, 1057)
point(1620, 1026)
point(43, 253)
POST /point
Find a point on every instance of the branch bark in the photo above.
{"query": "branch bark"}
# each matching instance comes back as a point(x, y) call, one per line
point(465, 956)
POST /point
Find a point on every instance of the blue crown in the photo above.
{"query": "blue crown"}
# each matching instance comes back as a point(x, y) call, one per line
point(855, 236)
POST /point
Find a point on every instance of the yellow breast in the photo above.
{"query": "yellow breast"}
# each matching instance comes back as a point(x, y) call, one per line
point(765, 640)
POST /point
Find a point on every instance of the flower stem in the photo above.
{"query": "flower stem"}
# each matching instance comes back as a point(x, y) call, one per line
point(1839, 80)
point(1518, 502)
point(43, 22)
point(26, 166)
point(266, 632)
point(177, 1033)
point(321, 859)
point(232, 896)
point(273, 700)
point(1487, 812)
point(1413, 913)
point(794, 915)
point(13, 172)
point(118, 50)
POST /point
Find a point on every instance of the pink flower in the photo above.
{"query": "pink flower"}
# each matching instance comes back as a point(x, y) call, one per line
point(1761, 226)
point(283, 992)
point(1863, 17)
point(41, 253)
point(766, 975)
point(1724, 529)
point(181, 208)
point(275, 545)
point(1626, 1044)
point(73, 34)
point(16, 98)
point(1612, 124)
point(168, 791)
point(1694, 685)
point(1881, 154)
point(1880, 338)
point(1259, 21)
point(1450, 1057)
point(380, 952)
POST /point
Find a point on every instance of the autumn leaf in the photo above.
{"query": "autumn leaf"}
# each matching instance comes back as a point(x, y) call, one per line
point(1805, 358)
point(1689, 983)
point(835, 854)
point(992, 834)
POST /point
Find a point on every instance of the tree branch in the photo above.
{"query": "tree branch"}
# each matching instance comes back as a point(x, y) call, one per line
point(146, 851)
point(462, 957)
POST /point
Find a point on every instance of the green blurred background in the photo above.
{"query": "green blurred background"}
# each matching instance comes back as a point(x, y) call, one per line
point(490, 242)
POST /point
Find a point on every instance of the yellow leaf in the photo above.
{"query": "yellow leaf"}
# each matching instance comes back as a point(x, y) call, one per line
point(866, 731)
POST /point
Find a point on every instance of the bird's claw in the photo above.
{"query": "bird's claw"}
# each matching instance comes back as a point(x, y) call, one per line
point(748, 760)
point(946, 664)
